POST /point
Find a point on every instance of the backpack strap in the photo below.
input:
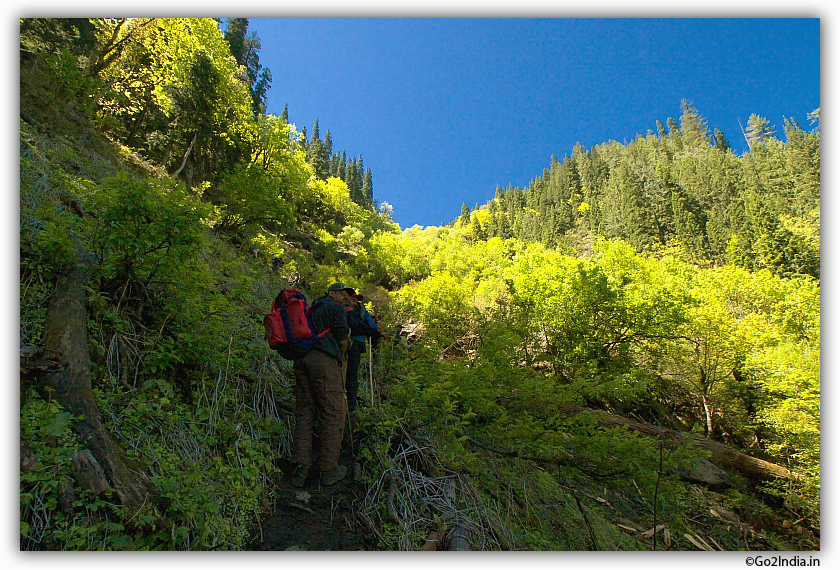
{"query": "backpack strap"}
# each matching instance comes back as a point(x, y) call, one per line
point(318, 303)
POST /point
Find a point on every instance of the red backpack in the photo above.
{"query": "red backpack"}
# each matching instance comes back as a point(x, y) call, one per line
point(288, 327)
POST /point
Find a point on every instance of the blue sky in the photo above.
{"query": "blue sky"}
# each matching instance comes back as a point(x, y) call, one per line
point(444, 110)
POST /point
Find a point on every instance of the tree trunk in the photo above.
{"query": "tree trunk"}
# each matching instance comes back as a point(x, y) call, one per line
point(35, 363)
point(722, 455)
point(186, 156)
point(65, 333)
point(707, 409)
point(137, 123)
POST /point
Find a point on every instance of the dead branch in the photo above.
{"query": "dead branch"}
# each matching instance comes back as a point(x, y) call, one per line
point(186, 155)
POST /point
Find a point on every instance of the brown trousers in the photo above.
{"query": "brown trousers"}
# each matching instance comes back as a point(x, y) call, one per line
point(319, 395)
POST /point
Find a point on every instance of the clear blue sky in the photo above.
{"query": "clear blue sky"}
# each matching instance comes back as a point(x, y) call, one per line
point(444, 110)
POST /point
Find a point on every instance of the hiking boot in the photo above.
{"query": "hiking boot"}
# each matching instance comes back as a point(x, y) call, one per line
point(299, 475)
point(333, 476)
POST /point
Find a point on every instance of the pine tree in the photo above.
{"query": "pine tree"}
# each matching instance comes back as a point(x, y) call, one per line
point(693, 127)
point(328, 145)
point(245, 50)
point(476, 230)
point(491, 228)
point(505, 231)
point(237, 29)
point(759, 130)
point(316, 133)
point(814, 117)
point(316, 155)
point(353, 183)
point(335, 159)
point(285, 114)
point(342, 167)
point(304, 144)
point(324, 155)
point(360, 173)
point(721, 142)
point(465, 214)
point(660, 128)
point(367, 189)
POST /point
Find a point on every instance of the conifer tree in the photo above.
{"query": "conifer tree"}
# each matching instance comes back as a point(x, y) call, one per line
point(342, 166)
point(316, 154)
point(492, 229)
point(505, 231)
point(304, 144)
point(759, 130)
point(360, 175)
point(367, 189)
point(814, 117)
point(237, 29)
point(353, 182)
point(476, 230)
point(335, 159)
point(327, 148)
point(245, 49)
point(693, 127)
point(465, 214)
point(660, 128)
point(316, 136)
point(721, 142)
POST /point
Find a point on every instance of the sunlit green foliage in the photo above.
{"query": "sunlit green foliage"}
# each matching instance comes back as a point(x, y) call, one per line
point(702, 349)
point(666, 279)
point(682, 188)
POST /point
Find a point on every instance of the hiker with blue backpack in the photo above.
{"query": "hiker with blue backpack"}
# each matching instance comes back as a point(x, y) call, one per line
point(316, 338)
point(362, 326)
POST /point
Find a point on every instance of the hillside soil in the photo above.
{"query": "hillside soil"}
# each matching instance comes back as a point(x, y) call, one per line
point(315, 517)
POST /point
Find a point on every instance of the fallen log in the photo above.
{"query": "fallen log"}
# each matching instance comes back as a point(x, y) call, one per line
point(65, 334)
point(721, 454)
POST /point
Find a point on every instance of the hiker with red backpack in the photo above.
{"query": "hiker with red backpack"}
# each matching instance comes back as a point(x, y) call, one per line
point(316, 339)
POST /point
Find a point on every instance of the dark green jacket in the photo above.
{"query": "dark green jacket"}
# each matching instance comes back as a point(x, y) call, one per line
point(327, 314)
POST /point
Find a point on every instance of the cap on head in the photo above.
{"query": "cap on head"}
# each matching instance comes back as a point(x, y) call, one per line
point(341, 287)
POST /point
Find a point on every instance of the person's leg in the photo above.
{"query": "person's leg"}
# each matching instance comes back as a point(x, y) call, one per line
point(325, 375)
point(304, 413)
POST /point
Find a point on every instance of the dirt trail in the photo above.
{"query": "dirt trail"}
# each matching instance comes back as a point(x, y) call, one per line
point(315, 517)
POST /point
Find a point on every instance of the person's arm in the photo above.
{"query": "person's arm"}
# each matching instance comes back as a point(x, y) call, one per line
point(368, 326)
point(338, 323)
point(374, 326)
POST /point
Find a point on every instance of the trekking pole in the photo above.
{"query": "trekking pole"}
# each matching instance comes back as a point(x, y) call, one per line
point(370, 367)
point(349, 427)
point(347, 414)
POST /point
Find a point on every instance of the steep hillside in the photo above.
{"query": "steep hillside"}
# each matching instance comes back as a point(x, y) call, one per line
point(682, 187)
point(531, 399)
